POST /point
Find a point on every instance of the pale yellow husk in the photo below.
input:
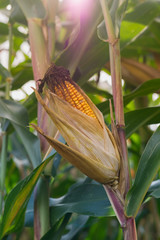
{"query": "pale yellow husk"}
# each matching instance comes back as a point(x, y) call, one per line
point(92, 148)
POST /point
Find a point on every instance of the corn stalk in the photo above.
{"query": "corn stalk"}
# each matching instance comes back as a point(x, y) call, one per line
point(128, 224)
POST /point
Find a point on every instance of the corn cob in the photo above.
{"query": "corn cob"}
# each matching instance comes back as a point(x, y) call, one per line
point(59, 81)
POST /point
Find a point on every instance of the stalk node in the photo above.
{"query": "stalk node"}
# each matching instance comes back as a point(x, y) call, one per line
point(114, 41)
point(120, 126)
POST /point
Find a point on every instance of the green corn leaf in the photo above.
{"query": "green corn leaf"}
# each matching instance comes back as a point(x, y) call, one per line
point(144, 89)
point(3, 71)
point(14, 112)
point(21, 74)
point(18, 116)
point(154, 189)
point(4, 3)
point(74, 227)
point(148, 87)
point(134, 23)
point(17, 200)
point(147, 169)
point(141, 117)
point(87, 199)
point(5, 30)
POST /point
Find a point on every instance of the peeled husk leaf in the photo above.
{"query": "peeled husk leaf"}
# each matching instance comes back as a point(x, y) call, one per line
point(88, 166)
point(92, 148)
point(72, 122)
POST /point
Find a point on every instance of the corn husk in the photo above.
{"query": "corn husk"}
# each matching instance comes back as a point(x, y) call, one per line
point(91, 146)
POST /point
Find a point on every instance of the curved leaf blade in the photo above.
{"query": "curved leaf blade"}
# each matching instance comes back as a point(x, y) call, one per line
point(3, 71)
point(74, 227)
point(134, 23)
point(147, 169)
point(18, 116)
point(14, 112)
point(86, 199)
point(31, 144)
point(138, 118)
point(18, 198)
point(154, 189)
point(148, 87)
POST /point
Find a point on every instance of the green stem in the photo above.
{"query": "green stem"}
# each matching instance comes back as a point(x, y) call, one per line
point(115, 65)
point(3, 170)
point(40, 63)
point(108, 21)
point(129, 231)
point(117, 204)
point(128, 226)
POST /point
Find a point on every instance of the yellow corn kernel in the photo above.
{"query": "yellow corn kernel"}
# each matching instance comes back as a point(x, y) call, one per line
point(67, 91)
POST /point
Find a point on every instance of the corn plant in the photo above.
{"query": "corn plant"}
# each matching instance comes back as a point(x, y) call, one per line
point(79, 161)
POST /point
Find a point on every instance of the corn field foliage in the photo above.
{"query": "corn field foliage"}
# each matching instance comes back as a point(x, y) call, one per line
point(43, 196)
